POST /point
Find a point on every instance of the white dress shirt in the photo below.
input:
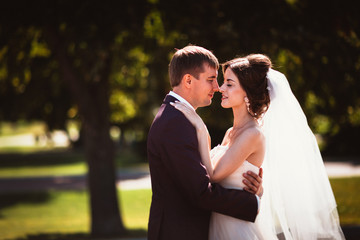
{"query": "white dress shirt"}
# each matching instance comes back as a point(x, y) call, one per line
point(181, 99)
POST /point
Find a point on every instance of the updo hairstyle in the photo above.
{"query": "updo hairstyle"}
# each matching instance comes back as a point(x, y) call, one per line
point(252, 74)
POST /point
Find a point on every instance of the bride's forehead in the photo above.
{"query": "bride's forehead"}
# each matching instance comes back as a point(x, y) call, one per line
point(230, 76)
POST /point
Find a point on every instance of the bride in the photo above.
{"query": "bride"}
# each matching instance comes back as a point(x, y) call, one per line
point(270, 131)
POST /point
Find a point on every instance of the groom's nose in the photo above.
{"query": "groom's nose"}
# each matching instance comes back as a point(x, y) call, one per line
point(215, 86)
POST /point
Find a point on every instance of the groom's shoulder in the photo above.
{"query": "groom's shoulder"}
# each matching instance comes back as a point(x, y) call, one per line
point(167, 111)
point(169, 126)
point(169, 118)
point(169, 114)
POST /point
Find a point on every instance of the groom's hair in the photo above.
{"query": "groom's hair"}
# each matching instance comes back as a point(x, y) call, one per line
point(190, 60)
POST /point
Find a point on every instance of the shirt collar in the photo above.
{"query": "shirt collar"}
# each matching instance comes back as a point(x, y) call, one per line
point(181, 99)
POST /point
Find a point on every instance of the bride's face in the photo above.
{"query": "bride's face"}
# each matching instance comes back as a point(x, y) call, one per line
point(232, 92)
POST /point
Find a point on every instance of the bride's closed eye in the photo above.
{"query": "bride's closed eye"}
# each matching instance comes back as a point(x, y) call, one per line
point(227, 84)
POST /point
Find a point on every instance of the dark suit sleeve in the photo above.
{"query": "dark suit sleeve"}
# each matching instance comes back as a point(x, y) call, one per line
point(183, 162)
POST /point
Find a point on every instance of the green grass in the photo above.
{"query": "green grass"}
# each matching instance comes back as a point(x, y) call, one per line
point(135, 206)
point(347, 195)
point(56, 214)
point(64, 212)
point(60, 162)
point(55, 162)
point(60, 170)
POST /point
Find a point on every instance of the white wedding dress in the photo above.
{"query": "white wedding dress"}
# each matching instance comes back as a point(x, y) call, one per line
point(224, 227)
point(298, 202)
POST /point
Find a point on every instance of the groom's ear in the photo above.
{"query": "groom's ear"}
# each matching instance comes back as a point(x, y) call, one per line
point(187, 80)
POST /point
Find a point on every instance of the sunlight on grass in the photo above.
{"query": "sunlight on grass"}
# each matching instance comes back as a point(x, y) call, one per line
point(42, 171)
point(348, 199)
point(63, 212)
point(44, 212)
point(22, 127)
point(32, 149)
point(56, 162)
point(137, 215)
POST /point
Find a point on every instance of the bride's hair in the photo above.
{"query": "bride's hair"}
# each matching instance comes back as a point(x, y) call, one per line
point(252, 74)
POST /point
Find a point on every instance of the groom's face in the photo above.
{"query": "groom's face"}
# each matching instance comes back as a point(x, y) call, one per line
point(204, 87)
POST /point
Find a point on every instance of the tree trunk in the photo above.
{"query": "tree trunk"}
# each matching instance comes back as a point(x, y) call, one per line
point(100, 150)
point(92, 98)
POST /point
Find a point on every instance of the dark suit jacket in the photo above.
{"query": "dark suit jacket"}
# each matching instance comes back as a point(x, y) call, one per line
point(183, 197)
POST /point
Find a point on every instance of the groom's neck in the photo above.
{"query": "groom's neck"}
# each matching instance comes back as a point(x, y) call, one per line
point(184, 94)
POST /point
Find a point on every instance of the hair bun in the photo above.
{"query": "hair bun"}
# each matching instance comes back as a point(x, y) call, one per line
point(260, 62)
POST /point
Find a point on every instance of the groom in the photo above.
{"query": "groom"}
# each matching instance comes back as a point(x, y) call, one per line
point(183, 197)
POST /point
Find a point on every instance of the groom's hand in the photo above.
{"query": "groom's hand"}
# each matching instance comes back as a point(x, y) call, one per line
point(253, 182)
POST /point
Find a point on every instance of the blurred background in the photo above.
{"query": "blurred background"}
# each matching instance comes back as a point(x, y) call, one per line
point(81, 81)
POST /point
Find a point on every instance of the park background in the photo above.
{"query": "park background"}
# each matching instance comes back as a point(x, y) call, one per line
point(81, 81)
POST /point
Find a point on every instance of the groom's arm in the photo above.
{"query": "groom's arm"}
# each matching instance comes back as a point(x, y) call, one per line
point(183, 162)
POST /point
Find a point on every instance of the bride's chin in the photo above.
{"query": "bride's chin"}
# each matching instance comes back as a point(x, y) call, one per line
point(224, 105)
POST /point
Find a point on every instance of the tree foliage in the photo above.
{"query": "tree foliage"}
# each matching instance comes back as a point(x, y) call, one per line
point(317, 49)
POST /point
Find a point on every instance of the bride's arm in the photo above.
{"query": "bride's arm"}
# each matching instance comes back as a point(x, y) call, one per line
point(249, 145)
point(202, 135)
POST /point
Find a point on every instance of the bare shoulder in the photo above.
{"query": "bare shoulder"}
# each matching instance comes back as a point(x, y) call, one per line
point(251, 138)
point(253, 134)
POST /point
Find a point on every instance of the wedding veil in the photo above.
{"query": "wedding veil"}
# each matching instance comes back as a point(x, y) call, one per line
point(298, 200)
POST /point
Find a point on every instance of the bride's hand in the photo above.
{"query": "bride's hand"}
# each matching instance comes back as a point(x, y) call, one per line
point(190, 114)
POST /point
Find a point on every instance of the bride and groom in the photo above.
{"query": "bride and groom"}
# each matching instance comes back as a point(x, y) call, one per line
point(203, 194)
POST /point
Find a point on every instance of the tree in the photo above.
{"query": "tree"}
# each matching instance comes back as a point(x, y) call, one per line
point(81, 40)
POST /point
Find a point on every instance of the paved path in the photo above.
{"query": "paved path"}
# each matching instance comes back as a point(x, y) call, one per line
point(342, 169)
